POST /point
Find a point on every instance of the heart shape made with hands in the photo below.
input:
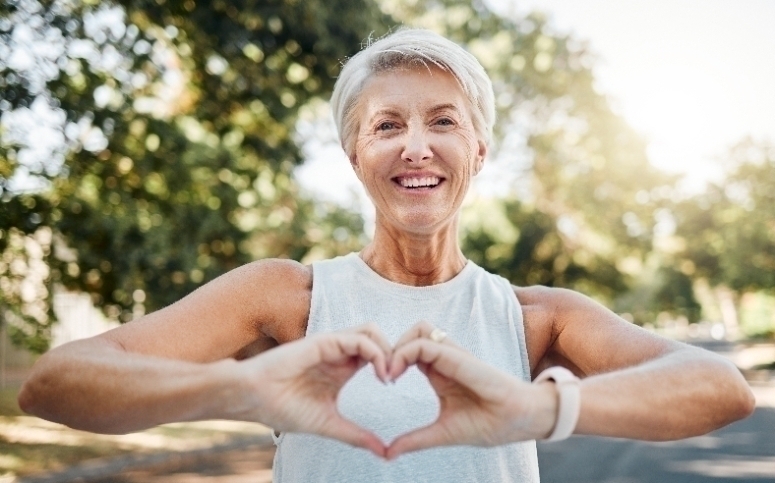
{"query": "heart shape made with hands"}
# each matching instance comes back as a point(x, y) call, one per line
point(394, 409)
point(389, 410)
point(426, 393)
point(419, 394)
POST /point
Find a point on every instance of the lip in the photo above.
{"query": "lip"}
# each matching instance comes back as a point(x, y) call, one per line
point(417, 175)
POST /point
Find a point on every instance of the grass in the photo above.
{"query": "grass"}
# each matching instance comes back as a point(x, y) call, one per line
point(8, 405)
point(29, 445)
point(23, 459)
point(26, 458)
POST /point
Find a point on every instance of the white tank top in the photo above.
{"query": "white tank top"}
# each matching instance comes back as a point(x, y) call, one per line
point(477, 309)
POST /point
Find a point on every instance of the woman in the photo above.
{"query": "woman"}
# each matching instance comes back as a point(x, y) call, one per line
point(451, 349)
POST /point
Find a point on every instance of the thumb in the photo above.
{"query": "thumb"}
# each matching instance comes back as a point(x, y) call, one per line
point(348, 432)
point(421, 438)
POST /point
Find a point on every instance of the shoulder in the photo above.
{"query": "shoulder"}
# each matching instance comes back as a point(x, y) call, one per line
point(545, 311)
point(553, 302)
point(568, 328)
point(282, 273)
point(284, 289)
point(238, 314)
point(538, 305)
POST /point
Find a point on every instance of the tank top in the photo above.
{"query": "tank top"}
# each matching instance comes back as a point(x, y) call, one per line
point(478, 310)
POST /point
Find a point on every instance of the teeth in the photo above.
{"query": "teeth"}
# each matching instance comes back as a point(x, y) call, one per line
point(419, 182)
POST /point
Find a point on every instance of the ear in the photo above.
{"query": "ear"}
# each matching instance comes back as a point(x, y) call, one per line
point(480, 155)
point(355, 165)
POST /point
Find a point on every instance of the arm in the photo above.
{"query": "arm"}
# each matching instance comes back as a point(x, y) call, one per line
point(635, 383)
point(171, 365)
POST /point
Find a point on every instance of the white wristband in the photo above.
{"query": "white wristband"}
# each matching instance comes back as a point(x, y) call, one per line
point(569, 392)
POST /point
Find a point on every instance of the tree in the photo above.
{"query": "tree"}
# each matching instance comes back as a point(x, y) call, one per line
point(726, 235)
point(584, 197)
point(176, 147)
point(728, 232)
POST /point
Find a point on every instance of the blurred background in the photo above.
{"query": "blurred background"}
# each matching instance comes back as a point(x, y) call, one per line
point(148, 146)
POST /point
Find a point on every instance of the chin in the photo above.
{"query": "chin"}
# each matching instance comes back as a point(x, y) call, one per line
point(423, 224)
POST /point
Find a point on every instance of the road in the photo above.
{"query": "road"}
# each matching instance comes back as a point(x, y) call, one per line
point(741, 452)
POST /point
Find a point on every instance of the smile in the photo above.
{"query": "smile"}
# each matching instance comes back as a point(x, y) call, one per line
point(421, 182)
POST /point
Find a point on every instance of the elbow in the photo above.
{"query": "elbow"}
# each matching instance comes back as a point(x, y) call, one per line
point(26, 399)
point(32, 393)
point(740, 401)
point(33, 397)
point(745, 404)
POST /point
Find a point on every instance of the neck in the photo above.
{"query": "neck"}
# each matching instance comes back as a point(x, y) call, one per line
point(415, 259)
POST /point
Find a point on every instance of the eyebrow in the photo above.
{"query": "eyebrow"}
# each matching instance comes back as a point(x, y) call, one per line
point(445, 107)
point(384, 112)
point(433, 110)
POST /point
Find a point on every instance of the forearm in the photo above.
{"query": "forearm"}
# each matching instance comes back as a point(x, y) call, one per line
point(94, 386)
point(682, 394)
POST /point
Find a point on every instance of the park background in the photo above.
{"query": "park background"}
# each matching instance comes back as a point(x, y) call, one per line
point(148, 146)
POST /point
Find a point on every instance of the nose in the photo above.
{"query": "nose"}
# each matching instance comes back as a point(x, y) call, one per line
point(416, 148)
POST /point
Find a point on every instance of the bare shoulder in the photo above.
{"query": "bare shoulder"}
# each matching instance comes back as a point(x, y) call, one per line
point(287, 288)
point(568, 328)
point(540, 307)
point(242, 312)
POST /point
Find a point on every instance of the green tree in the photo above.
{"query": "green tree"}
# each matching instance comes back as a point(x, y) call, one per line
point(584, 198)
point(727, 233)
point(177, 150)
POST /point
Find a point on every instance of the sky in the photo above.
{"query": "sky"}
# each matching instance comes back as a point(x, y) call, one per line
point(692, 76)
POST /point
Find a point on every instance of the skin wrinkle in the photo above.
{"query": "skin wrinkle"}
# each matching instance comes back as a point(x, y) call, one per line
point(411, 125)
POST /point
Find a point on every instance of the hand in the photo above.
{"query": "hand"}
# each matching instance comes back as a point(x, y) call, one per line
point(480, 405)
point(297, 384)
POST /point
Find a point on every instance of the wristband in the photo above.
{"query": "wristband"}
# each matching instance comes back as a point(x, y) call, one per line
point(569, 392)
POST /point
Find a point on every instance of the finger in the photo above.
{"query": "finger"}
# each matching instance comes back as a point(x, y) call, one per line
point(421, 330)
point(373, 331)
point(336, 345)
point(449, 361)
point(354, 435)
point(420, 352)
point(421, 438)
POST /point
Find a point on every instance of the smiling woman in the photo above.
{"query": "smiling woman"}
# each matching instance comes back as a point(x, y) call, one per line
point(478, 369)
point(416, 150)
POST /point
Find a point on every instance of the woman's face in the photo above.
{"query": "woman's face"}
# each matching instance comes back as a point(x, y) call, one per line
point(416, 150)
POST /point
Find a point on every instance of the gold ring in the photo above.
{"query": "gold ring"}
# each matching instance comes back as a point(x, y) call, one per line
point(437, 335)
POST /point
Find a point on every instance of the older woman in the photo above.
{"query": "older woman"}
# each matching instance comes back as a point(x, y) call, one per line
point(451, 350)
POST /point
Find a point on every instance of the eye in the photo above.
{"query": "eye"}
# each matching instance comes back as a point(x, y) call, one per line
point(445, 121)
point(386, 126)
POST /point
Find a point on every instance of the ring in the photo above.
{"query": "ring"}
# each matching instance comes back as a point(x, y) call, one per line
point(437, 335)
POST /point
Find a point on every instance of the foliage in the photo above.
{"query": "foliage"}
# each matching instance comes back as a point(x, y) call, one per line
point(165, 156)
point(580, 212)
point(175, 123)
point(727, 234)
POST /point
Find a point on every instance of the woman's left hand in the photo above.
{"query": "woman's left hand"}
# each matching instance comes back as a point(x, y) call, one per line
point(479, 404)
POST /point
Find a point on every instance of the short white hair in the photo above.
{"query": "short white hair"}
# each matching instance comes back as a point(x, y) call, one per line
point(411, 48)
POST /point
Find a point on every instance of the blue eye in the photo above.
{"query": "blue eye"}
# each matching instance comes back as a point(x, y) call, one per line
point(384, 126)
point(445, 121)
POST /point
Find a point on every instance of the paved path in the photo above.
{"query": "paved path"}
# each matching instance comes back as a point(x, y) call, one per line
point(741, 452)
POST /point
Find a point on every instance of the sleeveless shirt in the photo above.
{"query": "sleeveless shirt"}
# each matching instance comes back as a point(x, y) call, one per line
point(478, 310)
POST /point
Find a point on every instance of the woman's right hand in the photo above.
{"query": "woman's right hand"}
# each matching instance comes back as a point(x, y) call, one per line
point(480, 405)
point(294, 387)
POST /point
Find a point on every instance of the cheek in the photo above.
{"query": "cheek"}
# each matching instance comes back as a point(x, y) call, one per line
point(468, 147)
point(370, 154)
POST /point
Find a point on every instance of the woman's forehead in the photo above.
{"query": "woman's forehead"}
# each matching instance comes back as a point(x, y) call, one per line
point(423, 89)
